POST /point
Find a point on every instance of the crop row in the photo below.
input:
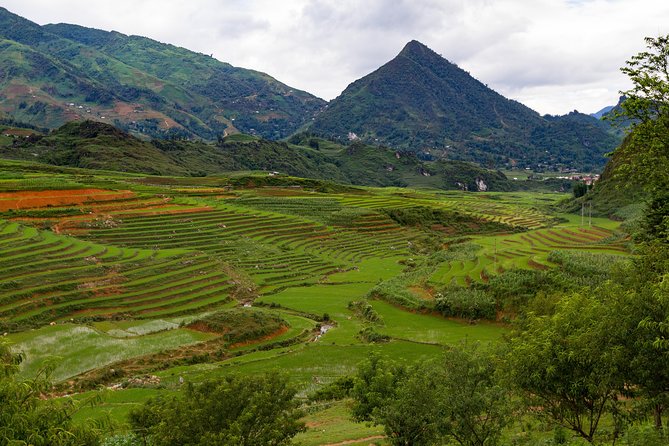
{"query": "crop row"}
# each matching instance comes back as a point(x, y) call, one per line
point(227, 231)
point(44, 277)
point(527, 250)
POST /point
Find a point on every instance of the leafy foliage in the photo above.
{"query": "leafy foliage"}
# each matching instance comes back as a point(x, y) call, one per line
point(466, 303)
point(26, 419)
point(567, 366)
point(639, 167)
point(248, 410)
point(458, 397)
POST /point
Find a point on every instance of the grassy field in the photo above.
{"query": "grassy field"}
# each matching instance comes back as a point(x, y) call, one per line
point(107, 275)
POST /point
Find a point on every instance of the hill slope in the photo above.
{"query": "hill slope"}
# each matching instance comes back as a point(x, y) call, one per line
point(420, 101)
point(95, 145)
point(57, 73)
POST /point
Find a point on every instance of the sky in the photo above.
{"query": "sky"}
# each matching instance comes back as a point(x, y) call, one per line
point(554, 56)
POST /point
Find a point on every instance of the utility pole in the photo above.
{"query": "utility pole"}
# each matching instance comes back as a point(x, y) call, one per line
point(494, 260)
point(582, 212)
point(590, 216)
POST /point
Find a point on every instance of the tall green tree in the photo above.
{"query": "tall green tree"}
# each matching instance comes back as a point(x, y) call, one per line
point(567, 367)
point(236, 411)
point(456, 398)
point(646, 149)
point(376, 383)
point(637, 302)
point(476, 406)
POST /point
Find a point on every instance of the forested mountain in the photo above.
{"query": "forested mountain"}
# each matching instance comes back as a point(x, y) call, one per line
point(422, 102)
point(53, 74)
point(418, 102)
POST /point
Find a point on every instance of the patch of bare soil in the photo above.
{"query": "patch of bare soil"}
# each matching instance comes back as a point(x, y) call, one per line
point(359, 440)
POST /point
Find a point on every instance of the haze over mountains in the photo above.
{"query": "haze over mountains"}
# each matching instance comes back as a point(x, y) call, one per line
point(417, 102)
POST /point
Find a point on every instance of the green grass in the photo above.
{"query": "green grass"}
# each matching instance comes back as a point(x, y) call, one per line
point(433, 329)
point(114, 404)
point(333, 424)
point(76, 349)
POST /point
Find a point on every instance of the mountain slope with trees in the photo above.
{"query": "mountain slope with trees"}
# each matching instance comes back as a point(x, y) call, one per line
point(57, 73)
point(421, 102)
point(96, 145)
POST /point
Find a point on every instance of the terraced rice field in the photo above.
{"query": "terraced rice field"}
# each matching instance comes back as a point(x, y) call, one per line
point(165, 249)
point(527, 250)
point(50, 198)
point(119, 265)
point(46, 277)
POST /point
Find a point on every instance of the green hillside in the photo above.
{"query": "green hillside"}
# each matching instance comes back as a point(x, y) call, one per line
point(418, 102)
point(57, 73)
point(95, 145)
point(421, 102)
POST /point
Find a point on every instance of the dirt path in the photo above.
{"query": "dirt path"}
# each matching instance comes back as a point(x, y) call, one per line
point(342, 443)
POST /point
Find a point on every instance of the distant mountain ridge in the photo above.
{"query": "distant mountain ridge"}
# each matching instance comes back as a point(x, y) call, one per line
point(417, 102)
point(422, 102)
point(53, 74)
point(603, 111)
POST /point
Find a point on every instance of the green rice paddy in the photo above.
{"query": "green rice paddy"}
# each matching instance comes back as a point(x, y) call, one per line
point(111, 285)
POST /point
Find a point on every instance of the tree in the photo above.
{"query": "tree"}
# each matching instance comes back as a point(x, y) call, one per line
point(412, 416)
point(455, 398)
point(580, 189)
point(404, 400)
point(476, 406)
point(637, 300)
point(648, 99)
point(646, 148)
point(238, 410)
point(567, 367)
point(25, 419)
point(376, 382)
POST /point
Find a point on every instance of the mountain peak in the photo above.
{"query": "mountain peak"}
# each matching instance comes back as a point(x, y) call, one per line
point(420, 101)
point(415, 48)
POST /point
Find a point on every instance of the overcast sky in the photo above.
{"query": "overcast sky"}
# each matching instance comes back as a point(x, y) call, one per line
point(552, 55)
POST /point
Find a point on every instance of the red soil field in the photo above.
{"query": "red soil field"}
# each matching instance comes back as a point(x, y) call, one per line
point(47, 198)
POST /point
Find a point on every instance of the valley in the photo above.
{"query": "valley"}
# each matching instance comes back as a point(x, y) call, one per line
point(194, 253)
point(108, 274)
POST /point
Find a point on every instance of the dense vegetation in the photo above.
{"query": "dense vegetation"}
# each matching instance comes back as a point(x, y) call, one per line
point(27, 419)
point(237, 411)
point(240, 324)
point(95, 145)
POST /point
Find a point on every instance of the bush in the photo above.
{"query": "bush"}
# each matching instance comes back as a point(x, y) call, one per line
point(336, 390)
point(241, 324)
point(372, 336)
point(365, 311)
point(466, 303)
point(237, 410)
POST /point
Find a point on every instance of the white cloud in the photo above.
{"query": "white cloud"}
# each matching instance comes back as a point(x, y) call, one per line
point(552, 55)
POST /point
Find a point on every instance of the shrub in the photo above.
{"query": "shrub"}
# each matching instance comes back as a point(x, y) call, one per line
point(365, 311)
point(372, 336)
point(466, 303)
